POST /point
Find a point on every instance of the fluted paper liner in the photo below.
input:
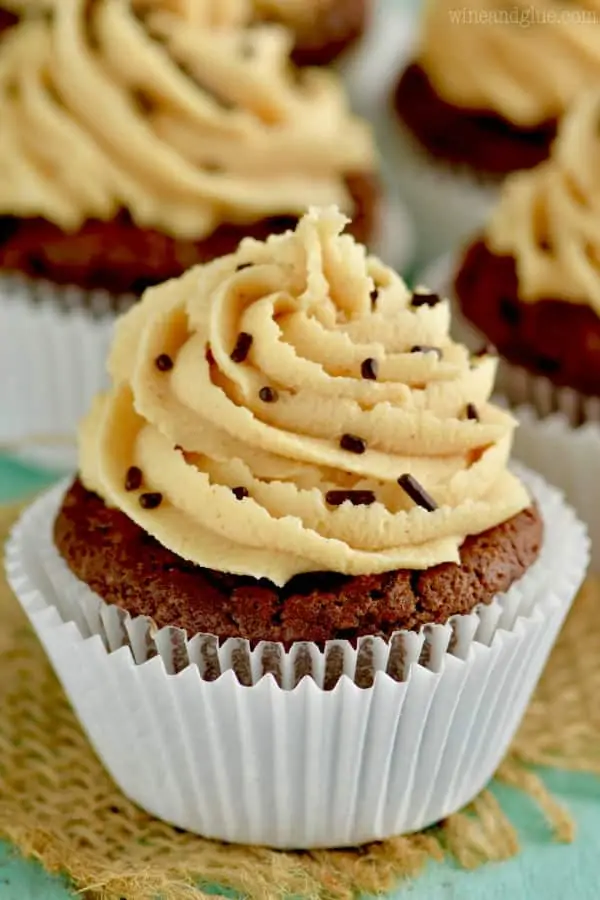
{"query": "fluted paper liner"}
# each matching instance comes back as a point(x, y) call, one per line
point(559, 430)
point(294, 763)
point(54, 343)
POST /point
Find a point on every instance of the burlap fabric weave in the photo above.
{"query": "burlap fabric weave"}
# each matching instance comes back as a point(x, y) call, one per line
point(58, 805)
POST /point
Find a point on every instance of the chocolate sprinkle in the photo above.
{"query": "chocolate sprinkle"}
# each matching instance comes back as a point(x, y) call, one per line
point(240, 493)
point(423, 348)
point(243, 266)
point(268, 395)
point(356, 498)
point(417, 492)
point(150, 500)
point(144, 102)
point(374, 298)
point(352, 443)
point(471, 412)
point(133, 478)
point(163, 362)
point(369, 368)
point(424, 298)
point(242, 347)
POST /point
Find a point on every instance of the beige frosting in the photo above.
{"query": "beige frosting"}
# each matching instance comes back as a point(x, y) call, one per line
point(201, 429)
point(523, 61)
point(293, 13)
point(175, 110)
point(548, 218)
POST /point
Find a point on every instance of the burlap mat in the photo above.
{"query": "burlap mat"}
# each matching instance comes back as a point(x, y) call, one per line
point(58, 805)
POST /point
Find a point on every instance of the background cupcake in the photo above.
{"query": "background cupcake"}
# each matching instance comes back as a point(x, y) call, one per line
point(305, 469)
point(529, 283)
point(481, 98)
point(139, 140)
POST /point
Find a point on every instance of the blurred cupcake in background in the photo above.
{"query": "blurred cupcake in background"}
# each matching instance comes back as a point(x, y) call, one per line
point(529, 282)
point(136, 141)
point(481, 98)
point(321, 29)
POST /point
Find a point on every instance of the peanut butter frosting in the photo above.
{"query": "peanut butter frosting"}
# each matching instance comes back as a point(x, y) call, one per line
point(177, 111)
point(548, 218)
point(293, 13)
point(264, 406)
point(525, 61)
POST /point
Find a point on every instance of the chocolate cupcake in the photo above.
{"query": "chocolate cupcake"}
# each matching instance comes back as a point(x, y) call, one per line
point(296, 495)
point(139, 141)
point(529, 283)
point(481, 98)
point(529, 280)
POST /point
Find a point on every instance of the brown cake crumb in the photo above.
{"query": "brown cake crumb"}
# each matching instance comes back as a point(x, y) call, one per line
point(122, 258)
point(531, 335)
point(482, 140)
point(124, 565)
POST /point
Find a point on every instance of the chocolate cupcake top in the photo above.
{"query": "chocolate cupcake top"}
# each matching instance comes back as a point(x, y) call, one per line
point(176, 111)
point(292, 408)
point(525, 62)
point(548, 218)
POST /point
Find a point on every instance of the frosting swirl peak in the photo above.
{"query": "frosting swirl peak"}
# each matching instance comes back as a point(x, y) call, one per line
point(274, 398)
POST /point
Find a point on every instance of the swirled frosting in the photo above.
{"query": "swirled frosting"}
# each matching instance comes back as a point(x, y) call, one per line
point(175, 110)
point(548, 218)
point(525, 62)
point(292, 13)
point(205, 426)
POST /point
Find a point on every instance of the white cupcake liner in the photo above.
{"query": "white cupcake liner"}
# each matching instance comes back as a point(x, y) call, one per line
point(296, 765)
point(559, 430)
point(53, 348)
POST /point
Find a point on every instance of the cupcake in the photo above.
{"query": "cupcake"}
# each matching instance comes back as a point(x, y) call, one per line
point(322, 29)
point(295, 499)
point(482, 98)
point(529, 281)
point(138, 140)
point(528, 284)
